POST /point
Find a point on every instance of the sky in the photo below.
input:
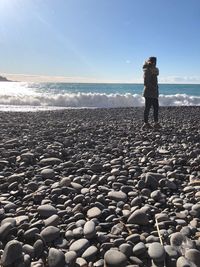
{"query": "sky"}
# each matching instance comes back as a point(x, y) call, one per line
point(99, 40)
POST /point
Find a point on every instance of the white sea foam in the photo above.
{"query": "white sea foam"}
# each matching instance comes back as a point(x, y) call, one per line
point(90, 100)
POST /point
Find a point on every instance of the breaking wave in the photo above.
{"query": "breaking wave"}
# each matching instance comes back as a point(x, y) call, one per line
point(94, 100)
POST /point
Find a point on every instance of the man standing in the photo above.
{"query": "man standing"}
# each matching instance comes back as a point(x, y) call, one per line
point(151, 92)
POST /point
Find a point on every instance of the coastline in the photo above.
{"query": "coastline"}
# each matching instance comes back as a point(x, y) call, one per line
point(87, 181)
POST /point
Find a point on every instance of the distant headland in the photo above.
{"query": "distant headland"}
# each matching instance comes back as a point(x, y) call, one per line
point(4, 79)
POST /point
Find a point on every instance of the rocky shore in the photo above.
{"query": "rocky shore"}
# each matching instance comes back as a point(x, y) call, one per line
point(87, 187)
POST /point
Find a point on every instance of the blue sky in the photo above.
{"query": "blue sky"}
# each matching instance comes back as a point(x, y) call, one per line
point(99, 40)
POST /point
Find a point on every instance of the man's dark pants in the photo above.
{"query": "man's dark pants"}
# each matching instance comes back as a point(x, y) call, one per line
point(149, 102)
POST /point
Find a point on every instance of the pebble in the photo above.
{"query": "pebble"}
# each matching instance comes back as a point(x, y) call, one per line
point(50, 233)
point(194, 256)
point(94, 212)
point(12, 253)
point(56, 258)
point(138, 217)
point(70, 258)
point(139, 249)
point(156, 252)
point(176, 239)
point(183, 262)
point(79, 246)
point(117, 196)
point(46, 211)
point(114, 258)
point(89, 230)
point(90, 253)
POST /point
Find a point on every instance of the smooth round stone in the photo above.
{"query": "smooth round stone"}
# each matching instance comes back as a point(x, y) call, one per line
point(38, 248)
point(139, 249)
point(52, 220)
point(183, 262)
point(115, 171)
point(12, 252)
point(81, 262)
point(117, 196)
point(10, 220)
point(48, 173)
point(186, 231)
point(152, 238)
point(5, 229)
point(99, 263)
point(70, 258)
point(46, 211)
point(196, 207)
point(79, 246)
point(176, 239)
point(30, 234)
point(126, 249)
point(156, 252)
point(27, 260)
point(94, 213)
point(171, 251)
point(50, 161)
point(28, 249)
point(56, 258)
point(156, 195)
point(90, 253)
point(78, 232)
point(193, 255)
point(134, 238)
point(50, 233)
point(137, 201)
point(65, 181)
point(89, 229)
point(161, 217)
point(115, 258)
point(138, 217)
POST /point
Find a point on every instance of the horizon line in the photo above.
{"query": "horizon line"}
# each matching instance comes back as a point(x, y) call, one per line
point(37, 78)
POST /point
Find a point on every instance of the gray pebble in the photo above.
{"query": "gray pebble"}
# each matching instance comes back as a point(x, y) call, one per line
point(138, 217)
point(46, 211)
point(50, 233)
point(79, 246)
point(89, 229)
point(114, 258)
point(56, 258)
point(12, 253)
point(156, 252)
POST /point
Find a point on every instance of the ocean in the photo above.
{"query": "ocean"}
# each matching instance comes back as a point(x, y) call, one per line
point(21, 96)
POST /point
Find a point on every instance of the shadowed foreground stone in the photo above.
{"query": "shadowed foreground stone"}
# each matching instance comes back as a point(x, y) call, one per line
point(12, 253)
point(138, 217)
point(56, 258)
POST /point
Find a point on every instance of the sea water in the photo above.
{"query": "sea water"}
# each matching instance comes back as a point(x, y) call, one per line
point(21, 96)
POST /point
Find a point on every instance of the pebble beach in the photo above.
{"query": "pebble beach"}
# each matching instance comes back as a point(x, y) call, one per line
point(89, 188)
